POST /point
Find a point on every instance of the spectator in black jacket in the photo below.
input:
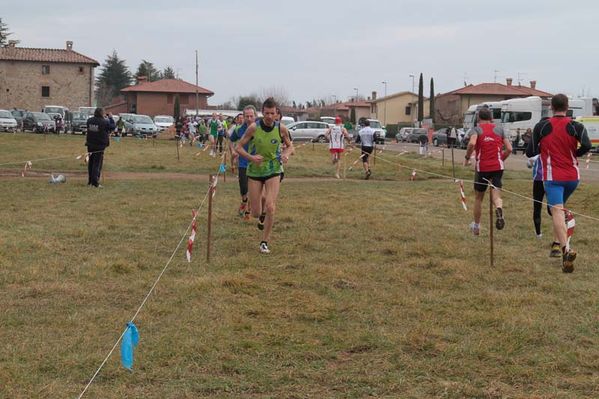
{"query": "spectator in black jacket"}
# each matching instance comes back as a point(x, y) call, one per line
point(97, 139)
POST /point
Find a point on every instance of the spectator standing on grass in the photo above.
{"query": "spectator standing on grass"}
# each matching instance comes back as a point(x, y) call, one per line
point(222, 131)
point(366, 137)
point(559, 140)
point(96, 140)
point(453, 137)
point(111, 123)
point(179, 127)
point(492, 148)
point(423, 144)
point(120, 125)
point(516, 141)
point(538, 193)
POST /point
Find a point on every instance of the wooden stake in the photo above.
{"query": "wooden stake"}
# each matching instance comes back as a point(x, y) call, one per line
point(443, 157)
point(209, 227)
point(177, 144)
point(452, 163)
point(225, 165)
point(374, 157)
point(344, 164)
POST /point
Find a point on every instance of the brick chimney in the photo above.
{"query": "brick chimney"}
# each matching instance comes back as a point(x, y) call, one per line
point(373, 95)
point(69, 45)
point(533, 84)
point(141, 79)
point(509, 81)
point(12, 43)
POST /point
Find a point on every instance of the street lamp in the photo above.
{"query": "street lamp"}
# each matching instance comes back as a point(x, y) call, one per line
point(412, 76)
point(385, 104)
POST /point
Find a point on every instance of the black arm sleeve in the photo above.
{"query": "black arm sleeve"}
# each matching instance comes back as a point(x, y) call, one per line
point(583, 137)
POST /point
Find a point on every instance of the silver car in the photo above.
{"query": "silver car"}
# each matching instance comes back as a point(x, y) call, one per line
point(308, 130)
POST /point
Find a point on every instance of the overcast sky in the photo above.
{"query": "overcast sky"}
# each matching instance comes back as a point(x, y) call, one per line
point(317, 49)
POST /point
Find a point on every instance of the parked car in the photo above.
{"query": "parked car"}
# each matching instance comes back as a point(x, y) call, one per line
point(38, 122)
point(440, 137)
point(79, 122)
point(140, 125)
point(405, 132)
point(286, 120)
point(163, 122)
point(56, 110)
point(18, 114)
point(308, 130)
point(410, 134)
point(329, 120)
point(7, 122)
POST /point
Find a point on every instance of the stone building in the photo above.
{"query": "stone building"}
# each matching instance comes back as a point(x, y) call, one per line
point(31, 78)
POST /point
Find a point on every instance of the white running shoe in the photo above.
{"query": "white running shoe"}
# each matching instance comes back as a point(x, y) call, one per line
point(264, 248)
point(475, 228)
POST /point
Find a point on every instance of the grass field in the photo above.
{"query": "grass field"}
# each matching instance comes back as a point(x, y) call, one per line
point(373, 289)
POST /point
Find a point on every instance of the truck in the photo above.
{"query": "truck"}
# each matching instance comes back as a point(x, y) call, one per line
point(471, 115)
point(520, 114)
point(591, 123)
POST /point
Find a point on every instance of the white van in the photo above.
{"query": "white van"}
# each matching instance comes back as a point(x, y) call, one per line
point(471, 115)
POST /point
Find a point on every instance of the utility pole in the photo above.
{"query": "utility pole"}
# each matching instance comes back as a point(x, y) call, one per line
point(356, 89)
point(385, 104)
point(197, 95)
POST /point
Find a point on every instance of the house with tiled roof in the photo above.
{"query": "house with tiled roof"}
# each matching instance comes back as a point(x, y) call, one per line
point(158, 97)
point(450, 107)
point(31, 78)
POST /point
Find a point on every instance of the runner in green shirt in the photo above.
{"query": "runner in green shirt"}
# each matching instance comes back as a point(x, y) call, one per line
point(267, 157)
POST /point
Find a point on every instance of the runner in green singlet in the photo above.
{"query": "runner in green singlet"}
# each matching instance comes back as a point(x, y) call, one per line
point(267, 156)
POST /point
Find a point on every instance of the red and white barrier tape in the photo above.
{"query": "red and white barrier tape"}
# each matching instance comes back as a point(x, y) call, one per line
point(462, 195)
point(192, 236)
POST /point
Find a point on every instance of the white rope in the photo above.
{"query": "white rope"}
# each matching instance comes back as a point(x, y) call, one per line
point(149, 292)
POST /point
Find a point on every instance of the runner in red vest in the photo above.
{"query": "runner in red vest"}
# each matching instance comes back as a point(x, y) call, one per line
point(489, 141)
point(557, 140)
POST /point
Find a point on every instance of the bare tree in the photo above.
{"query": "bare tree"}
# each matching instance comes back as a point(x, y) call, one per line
point(278, 93)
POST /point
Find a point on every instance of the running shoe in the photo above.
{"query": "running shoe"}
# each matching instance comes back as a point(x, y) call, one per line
point(264, 248)
point(475, 228)
point(246, 216)
point(337, 176)
point(368, 173)
point(500, 221)
point(261, 221)
point(242, 209)
point(556, 250)
point(568, 261)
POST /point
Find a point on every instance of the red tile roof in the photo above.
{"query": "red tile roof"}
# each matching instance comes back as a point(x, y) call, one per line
point(168, 86)
point(44, 55)
point(500, 89)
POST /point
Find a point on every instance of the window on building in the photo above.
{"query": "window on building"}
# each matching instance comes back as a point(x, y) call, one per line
point(169, 98)
point(45, 91)
point(81, 70)
point(408, 109)
point(45, 69)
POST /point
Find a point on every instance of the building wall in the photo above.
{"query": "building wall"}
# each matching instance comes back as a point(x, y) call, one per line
point(21, 85)
point(163, 103)
point(396, 110)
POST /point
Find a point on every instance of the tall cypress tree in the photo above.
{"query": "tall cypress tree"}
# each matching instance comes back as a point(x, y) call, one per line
point(432, 101)
point(114, 75)
point(4, 33)
point(420, 100)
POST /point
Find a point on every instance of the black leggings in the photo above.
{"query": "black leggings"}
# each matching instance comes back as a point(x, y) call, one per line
point(538, 193)
point(94, 167)
point(243, 182)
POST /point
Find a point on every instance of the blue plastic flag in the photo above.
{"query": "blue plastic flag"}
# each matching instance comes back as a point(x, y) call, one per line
point(199, 145)
point(129, 342)
point(222, 168)
point(116, 139)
